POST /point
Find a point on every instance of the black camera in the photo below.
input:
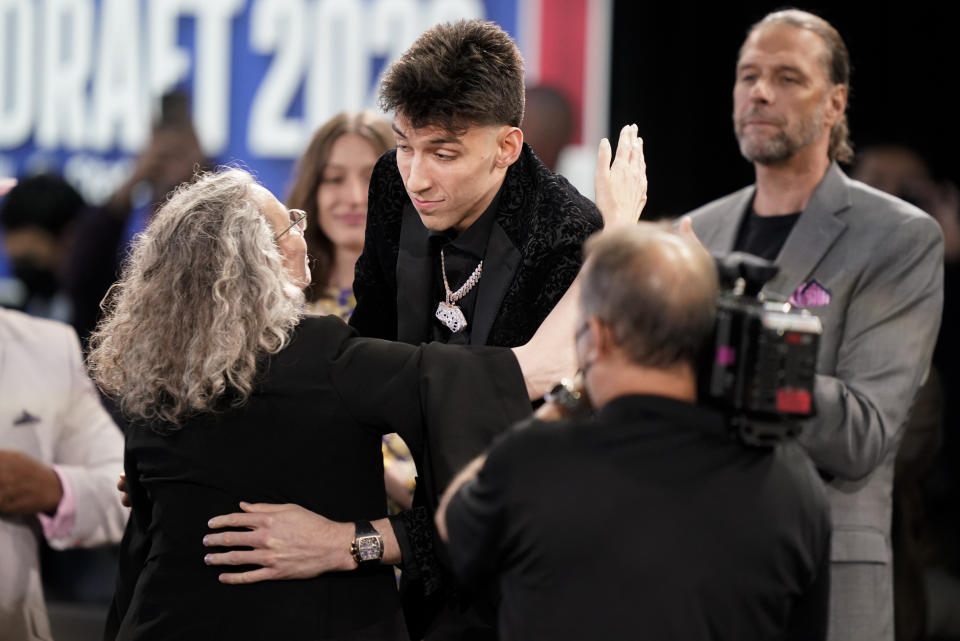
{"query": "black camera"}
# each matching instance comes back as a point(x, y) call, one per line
point(760, 364)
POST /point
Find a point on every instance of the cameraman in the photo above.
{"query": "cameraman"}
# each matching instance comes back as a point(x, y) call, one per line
point(650, 517)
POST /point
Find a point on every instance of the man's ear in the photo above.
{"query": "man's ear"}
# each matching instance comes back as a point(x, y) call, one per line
point(602, 336)
point(836, 104)
point(509, 145)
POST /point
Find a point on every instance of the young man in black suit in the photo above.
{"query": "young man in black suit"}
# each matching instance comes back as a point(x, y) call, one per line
point(470, 238)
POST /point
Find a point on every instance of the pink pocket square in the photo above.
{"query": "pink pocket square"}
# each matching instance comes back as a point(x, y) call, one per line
point(811, 294)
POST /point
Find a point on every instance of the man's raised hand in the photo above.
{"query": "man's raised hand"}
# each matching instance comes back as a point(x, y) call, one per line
point(621, 186)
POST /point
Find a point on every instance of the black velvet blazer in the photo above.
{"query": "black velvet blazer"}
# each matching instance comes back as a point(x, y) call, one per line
point(534, 253)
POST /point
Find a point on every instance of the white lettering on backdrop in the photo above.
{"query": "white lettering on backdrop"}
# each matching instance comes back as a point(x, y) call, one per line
point(81, 75)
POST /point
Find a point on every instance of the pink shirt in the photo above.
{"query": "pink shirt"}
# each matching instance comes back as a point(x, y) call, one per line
point(61, 523)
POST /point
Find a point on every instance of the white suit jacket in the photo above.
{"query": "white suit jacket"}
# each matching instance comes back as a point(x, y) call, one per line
point(50, 410)
point(880, 261)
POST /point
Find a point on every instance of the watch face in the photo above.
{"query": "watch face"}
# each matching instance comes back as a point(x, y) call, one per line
point(368, 548)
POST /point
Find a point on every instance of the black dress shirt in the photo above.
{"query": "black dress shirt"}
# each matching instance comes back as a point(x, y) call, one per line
point(462, 252)
point(533, 251)
point(649, 521)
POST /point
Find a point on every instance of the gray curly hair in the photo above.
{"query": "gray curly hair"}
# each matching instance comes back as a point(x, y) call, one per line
point(203, 295)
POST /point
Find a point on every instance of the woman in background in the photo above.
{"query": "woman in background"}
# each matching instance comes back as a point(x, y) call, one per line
point(331, 184)
point(333, 177)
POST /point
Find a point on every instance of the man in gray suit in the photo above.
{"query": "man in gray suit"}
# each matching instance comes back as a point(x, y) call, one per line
point(868, 264)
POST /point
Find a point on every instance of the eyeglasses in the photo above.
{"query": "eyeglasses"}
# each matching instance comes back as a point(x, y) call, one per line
point(298, 219)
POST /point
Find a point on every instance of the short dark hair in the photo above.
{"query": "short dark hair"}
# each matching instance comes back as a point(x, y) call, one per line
point(45, 201)
point(457, 75)
point(656, 289)
point(836, 65)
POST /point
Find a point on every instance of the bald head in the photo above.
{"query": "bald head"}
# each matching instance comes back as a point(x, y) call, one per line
point(655, 288)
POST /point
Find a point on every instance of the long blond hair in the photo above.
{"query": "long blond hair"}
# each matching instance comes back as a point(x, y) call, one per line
point(203, 295)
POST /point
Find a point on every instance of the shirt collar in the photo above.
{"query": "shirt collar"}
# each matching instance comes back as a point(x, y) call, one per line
point(680, 414)
point(472, 240)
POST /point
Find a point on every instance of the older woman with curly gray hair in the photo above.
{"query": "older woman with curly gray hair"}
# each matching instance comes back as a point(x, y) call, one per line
point(234, 395)
point(207, 291)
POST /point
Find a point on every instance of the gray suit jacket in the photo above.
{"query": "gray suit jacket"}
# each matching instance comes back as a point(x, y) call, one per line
point(881, 260)
point(50, 411)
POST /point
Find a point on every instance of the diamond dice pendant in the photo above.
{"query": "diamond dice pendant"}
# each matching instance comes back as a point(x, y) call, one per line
point(447, 311)
point(451, 316)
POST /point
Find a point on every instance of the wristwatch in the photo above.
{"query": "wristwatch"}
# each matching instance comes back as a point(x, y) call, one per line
point(570, 396)
point(367, 546)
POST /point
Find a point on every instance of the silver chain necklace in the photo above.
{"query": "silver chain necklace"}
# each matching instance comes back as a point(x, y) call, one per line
point(448, 312)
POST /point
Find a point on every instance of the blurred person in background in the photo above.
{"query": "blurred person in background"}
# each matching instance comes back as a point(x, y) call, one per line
point(331, 185)
point(550, 127)
point(60, 454)
point(37, 219)
point(902, 172)
point(78, 582)
point(926, 486)
point(61, 437)
point(548, 123)
point(170, 157)
point(65, 255)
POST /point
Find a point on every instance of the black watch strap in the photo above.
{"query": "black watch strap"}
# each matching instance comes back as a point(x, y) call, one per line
point(365, 529)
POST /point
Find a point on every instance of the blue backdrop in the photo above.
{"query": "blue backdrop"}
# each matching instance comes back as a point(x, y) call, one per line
point(80, 80)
